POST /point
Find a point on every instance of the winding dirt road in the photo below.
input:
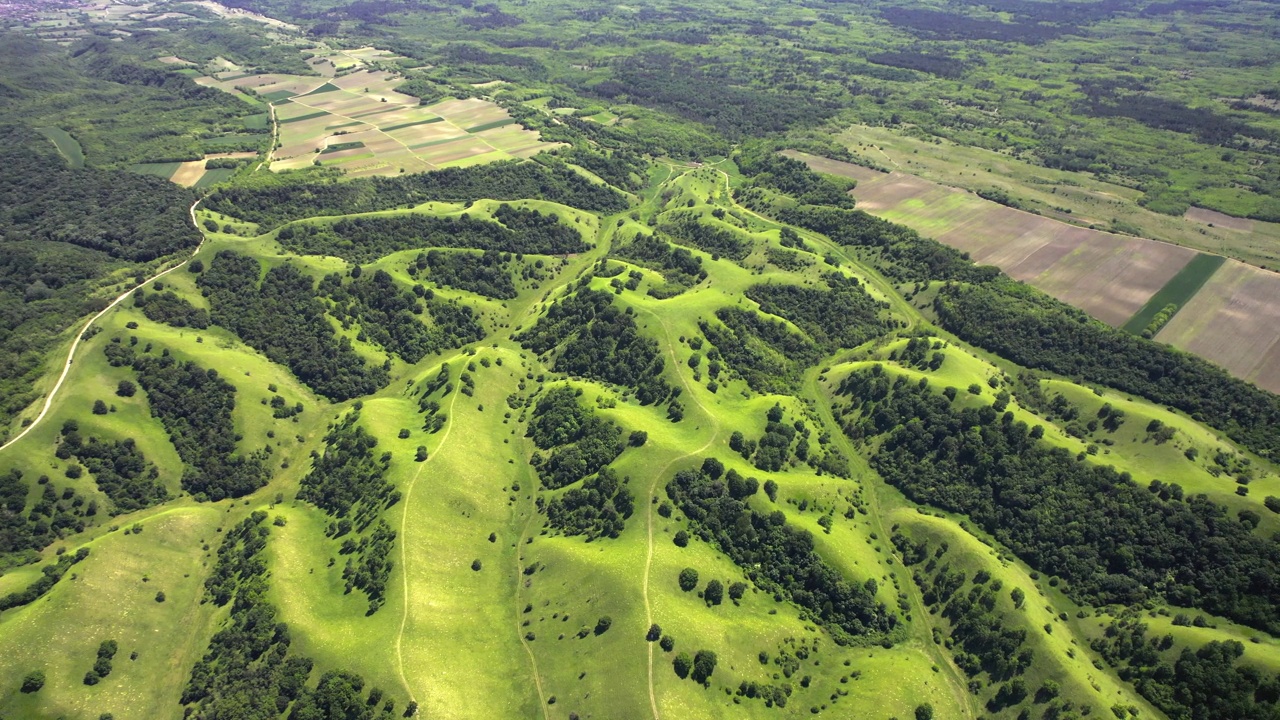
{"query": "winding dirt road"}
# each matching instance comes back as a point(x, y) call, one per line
point(75, 343)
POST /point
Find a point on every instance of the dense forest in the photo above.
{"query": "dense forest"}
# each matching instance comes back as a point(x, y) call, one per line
point(1110, 540)
point(487, 273)
point(592, 338)
point(273, 199)
point(67, 234)
point(195, 405)
point(391, 316)
point(579, 445)
point(775, 555)
point(283, 318)
point(843, 316)
point(365, 239)
point(1039, 332)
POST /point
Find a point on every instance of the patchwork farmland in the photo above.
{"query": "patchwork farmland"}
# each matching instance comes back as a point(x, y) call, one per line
point(357, 122)
point(1228, 313)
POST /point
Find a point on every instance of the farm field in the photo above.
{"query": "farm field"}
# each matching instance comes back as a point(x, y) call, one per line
point(1234, 320)
point(1228, 315)
point(321, 119)
point(1073, 197)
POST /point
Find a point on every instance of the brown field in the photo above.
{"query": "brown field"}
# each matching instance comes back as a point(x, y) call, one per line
point(834, 167)
point(1109, 276)
point(188, 173)
point(1218, 220)
point(1234, 321)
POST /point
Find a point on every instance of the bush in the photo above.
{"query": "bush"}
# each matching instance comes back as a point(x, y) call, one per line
point(33, 681)
point(603, 625)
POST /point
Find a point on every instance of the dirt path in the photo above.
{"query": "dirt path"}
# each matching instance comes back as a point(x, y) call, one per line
point(653, 486)
point(75, 343)
point(404, 543)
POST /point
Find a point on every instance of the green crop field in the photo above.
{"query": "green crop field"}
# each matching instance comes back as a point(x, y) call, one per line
point(1178, 291)
point(67, 146)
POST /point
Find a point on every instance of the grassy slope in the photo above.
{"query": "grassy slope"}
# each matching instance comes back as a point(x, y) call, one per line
point(453, 638)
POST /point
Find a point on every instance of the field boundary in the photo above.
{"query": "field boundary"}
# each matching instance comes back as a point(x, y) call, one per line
point(1180, 289)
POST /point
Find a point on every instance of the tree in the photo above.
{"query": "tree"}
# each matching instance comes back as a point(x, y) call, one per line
point(682, 664)
point(737, 590)
point(603, 625)
point(411, 709)
point(1273, 503)
point(924, 712)
point(160, 596)
point(667, 643)
point(421, 455)
point(1018, 597)
point(704, 663)
point(655, 632)
point(33, 681)
point(681, 539)
point(688, 579)
point(196, 267)
point(771, 489)
point(126, 388)
point(99, 407)
point(714, 593)
point(638, 438)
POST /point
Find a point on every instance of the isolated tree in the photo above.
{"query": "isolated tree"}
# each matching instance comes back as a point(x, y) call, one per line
point(924, 712)
point(655, 632)
point(196, 266)
point(682, 664)
point(126, 388)
point(638, 438)
point(1018, 597)
point(603, 625)
point(704, 663)
point(667, 643)
point(713, 593)
point(99, 407)
point(681, 539)
point(737, 590)
point(688, 579)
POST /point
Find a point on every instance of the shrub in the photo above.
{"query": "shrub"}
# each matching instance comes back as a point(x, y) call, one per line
point(33, 681)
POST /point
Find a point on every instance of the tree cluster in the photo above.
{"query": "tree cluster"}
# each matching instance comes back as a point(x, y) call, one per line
point(171, 309)
point(273, 201)
point(118, 467)
point(284, 319)
point(195, 406)
point(1109, 539)
point(579, 442)
point(349, 483)
point(487, 273)
point(777, 557)
point(593, 339)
